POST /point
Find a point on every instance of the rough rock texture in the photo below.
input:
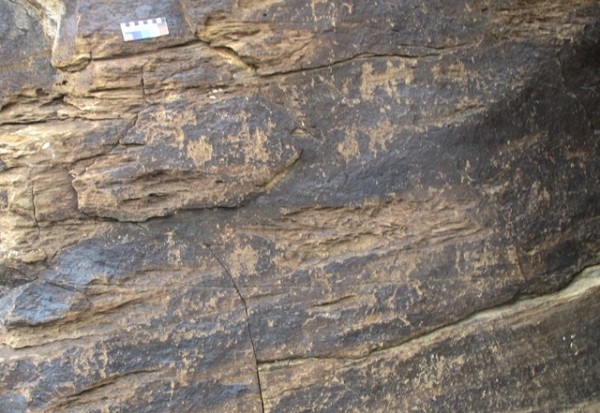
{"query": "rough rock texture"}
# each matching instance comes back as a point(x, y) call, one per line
point(298, 205)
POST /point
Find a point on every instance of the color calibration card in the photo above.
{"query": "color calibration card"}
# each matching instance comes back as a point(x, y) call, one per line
point(144, 29)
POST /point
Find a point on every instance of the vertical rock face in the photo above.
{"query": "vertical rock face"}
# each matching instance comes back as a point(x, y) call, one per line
point(300, 206)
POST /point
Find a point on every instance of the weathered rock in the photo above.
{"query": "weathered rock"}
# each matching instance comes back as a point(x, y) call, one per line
point(26, 74)
point(187, 156)
point(476, 365)
point(300, 206)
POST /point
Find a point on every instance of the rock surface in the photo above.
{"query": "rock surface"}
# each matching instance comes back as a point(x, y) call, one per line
point(300, 206)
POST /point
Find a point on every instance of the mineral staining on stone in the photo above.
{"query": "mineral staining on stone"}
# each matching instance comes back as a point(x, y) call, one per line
point(297, 205)
point(184, 155)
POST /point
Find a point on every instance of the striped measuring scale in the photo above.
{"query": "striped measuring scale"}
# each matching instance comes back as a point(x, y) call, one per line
point(144, 29)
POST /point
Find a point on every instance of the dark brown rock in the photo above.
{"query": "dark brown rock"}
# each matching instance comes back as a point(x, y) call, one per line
point(300, 206)
point(475, 365)
point(177, 156)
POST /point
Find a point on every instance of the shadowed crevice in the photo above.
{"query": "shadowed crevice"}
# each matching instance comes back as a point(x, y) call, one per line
point(243, 300)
